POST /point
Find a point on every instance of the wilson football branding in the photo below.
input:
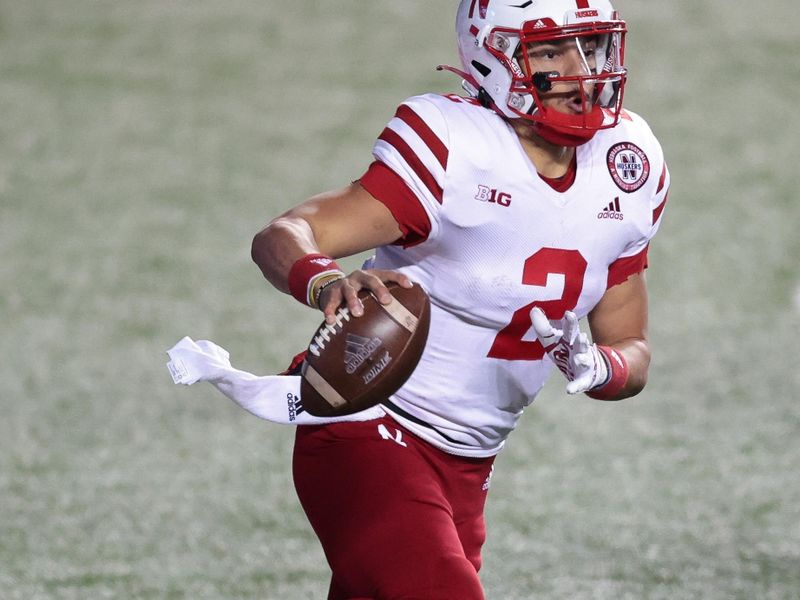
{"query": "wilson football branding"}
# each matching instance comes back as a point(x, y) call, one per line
point(357, 350)
point(612, 211)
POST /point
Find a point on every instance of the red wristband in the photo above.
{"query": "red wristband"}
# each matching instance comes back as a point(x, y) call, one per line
point(617, 375)
point(306, 271)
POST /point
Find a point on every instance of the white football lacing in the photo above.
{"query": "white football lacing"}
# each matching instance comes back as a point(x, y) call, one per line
point(326, 331)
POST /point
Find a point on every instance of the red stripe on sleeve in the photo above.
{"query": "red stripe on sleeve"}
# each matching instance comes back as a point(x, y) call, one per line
point(663, 179)
point(659, 209)
point(583, 3)
point(393, 139)
point(622, 268)
point(389, 188)
point(426, 134)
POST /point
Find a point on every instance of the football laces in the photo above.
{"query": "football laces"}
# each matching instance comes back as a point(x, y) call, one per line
point(328, 330)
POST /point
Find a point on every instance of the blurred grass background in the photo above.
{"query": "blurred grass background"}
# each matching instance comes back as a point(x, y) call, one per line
point(141, 146)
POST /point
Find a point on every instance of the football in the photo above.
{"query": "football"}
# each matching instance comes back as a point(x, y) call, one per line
point(358, 362)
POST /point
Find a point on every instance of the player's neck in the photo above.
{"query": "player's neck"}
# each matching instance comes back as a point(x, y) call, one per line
point(550, 160)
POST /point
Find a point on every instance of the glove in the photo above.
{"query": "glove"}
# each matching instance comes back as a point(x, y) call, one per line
point(582, 362)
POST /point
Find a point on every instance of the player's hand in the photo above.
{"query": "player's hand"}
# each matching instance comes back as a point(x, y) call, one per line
point(345, 291)
point(569, 348)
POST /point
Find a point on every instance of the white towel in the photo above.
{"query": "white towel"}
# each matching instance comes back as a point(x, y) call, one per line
point(275, 398)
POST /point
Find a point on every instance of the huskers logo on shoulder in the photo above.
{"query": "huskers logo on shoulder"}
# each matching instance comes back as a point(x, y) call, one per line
point(629, 166)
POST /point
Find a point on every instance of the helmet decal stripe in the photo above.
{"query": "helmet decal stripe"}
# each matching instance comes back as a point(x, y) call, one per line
point(483, 6)
point(423, 173)
point(406, 114)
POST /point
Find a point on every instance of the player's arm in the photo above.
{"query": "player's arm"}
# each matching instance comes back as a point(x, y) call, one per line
point(335, 224)
point(619, 321)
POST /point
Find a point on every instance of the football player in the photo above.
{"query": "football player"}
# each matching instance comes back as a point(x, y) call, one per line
point(521, 208)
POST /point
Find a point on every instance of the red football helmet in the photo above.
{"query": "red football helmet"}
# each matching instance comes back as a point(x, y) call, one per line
point(495, 38)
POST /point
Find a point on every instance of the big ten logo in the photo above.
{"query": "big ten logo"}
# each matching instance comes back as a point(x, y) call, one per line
point(486, 194)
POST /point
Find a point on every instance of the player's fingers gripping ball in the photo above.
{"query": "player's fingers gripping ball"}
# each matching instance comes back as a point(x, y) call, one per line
point(345, 290)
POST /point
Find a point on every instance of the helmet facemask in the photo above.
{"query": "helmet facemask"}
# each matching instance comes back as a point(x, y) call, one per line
point(599, 81)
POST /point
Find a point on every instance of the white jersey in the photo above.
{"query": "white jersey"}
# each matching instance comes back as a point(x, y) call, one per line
point(493, 241)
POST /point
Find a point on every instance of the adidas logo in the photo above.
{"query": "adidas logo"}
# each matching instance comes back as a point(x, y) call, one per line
point(357, 350)
point(539, 24)
point(294, 406)
point(612, 211)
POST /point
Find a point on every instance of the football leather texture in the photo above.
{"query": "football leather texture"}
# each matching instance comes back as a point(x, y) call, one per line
point(359, 362)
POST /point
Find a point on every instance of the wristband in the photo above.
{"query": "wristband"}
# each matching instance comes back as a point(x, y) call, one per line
point(306, 272)
point(617, 375)
point(320, 284)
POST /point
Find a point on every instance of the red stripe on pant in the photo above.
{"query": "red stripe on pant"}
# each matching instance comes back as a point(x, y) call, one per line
point(397, 518)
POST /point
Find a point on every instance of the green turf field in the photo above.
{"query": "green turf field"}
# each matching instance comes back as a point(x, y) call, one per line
point(142, 143)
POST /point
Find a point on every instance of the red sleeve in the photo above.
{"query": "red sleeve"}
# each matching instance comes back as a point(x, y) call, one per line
point(622, 268)
point(390, 189)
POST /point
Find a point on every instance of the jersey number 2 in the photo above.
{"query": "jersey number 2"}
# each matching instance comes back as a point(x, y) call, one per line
point(508, 344)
